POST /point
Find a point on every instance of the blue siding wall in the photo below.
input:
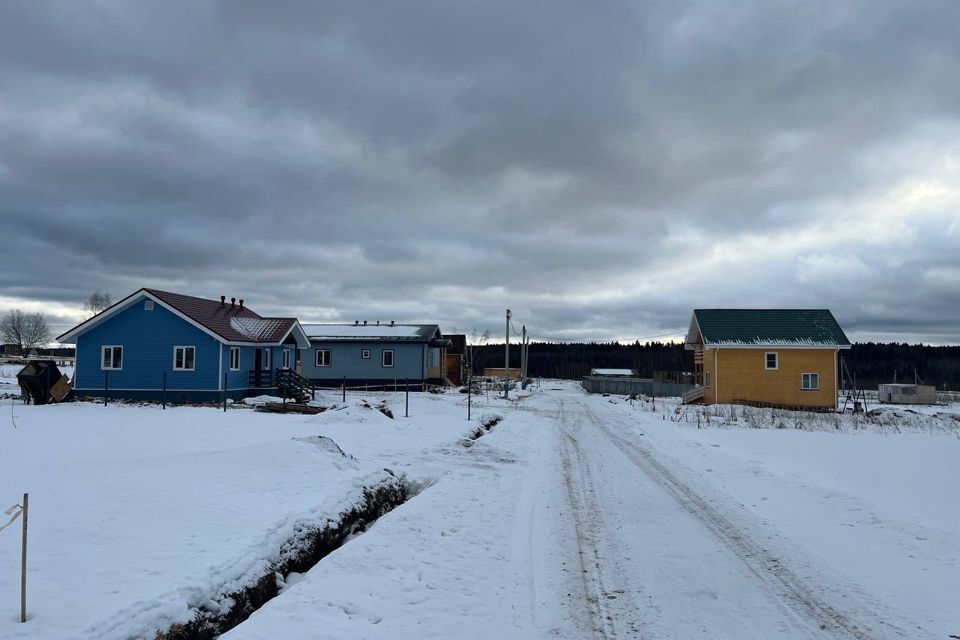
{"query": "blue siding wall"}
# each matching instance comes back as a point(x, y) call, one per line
point(409, 361)
point(237, 380)
point(148, 338)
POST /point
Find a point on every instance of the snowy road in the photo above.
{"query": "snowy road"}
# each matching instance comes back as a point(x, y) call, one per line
point(660, 561)
point(577, 519)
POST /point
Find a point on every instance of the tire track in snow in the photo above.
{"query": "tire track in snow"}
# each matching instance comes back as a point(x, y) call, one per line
point(599, 578)
point(792, 590)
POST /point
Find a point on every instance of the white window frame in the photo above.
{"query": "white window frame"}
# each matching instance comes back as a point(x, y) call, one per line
point(266, 360)
point(809, 376)
point(184, 347)
point(234, 350)
point(286, 358)
point(365, 354)
point(329, 358)
point(707, 375)
point(103, 348)
point(383, 359)
point(776, 360)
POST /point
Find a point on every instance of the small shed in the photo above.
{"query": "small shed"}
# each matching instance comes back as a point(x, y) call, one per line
point(906, 393)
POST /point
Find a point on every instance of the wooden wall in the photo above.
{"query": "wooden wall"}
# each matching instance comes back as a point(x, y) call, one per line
point(744, 378)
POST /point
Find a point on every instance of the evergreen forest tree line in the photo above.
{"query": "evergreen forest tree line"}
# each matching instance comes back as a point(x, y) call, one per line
point(871, 363)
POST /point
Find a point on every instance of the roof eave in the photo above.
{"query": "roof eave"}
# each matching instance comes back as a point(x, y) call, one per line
point(70, 337)
point(771, 345)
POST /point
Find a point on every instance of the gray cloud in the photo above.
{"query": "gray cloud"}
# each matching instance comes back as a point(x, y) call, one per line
point(599, 168)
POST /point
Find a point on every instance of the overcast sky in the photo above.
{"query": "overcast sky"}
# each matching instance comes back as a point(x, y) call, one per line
point(601, 168)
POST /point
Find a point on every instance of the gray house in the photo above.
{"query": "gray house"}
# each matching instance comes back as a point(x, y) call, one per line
point(374, 354)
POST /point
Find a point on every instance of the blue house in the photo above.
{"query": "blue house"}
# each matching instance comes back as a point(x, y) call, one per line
point(381, 355)
point(155, 344)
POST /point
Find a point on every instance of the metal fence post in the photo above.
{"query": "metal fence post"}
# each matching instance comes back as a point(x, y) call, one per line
point(106, 386)
point(23, 561)
point(225, 393)
point(469, 396)
point(343, 387)
point(406, 409)
point(163, 397)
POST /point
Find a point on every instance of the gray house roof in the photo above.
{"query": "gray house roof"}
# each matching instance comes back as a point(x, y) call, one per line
point(384, 332)
point(816, 328)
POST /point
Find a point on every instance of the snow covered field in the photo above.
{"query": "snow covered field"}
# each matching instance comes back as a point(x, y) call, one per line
point(576, 516)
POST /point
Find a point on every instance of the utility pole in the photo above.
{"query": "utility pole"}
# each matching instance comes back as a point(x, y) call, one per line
point(523, 359)
point(506, 364)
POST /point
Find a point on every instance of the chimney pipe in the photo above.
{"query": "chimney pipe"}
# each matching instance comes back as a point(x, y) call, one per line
point(364, 323)
point(223, 301)
point(391, 323)
point(378, 323)
point(241, 303)
point(356, 322)
point(233, 302)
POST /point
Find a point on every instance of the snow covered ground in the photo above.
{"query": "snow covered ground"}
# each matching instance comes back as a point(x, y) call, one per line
point(137, 513)
point(576, 516)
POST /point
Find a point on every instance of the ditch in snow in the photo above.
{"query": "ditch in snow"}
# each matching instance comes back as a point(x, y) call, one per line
point(311, 545)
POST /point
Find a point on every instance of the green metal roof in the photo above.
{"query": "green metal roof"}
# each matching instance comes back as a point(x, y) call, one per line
point(774, 327)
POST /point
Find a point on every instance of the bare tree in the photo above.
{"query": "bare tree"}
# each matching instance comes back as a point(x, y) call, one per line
point(25, 330)
point(476, 337)
point(97, 302)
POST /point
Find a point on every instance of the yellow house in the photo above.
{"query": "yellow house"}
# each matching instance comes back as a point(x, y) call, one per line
point(766, 357)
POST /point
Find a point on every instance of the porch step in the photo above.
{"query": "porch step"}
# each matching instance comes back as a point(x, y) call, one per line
point(693, 395)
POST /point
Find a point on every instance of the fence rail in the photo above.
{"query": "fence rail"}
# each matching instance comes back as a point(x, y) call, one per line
point(629, 386)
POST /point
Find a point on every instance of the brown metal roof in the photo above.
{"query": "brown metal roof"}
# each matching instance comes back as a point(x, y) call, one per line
point(232, 323)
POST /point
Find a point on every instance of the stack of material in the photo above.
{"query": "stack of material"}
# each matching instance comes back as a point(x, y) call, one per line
point(290, 407)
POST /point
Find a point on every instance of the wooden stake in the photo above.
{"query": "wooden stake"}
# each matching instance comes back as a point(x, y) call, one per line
point(23, 561)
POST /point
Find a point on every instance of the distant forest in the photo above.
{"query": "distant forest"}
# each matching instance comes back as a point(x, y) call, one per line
point(871, 363)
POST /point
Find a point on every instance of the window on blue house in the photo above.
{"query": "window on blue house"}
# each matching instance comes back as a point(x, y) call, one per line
point(323, 358)
point(234, 358)
point(286, 358)
point(184, 358)
point(388, 357)
point(112, 357)
point(267, 353)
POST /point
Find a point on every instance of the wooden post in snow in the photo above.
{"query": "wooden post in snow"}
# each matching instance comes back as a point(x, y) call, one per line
point(23, 561)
